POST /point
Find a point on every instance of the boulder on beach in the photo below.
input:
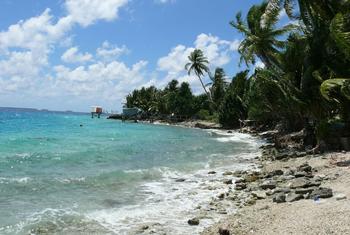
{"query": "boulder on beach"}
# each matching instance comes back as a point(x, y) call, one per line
point(268, 184)
point(322, 193)
point(279, 198)
point(193, 221)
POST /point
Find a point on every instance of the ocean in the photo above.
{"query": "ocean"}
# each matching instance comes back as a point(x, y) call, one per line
point(65, 173)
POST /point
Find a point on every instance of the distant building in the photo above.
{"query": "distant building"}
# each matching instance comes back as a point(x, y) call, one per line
point(96, 111)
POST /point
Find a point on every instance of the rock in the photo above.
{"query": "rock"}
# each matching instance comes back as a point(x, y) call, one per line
point(292, 197)
point(221, 196)
point(259, 194)
point(274, 173)
point(228, 181)
point(240, 186)
point(299, 174)
point(340, 197)
point(194, 221)
point(286, 177)
point(180, 180)
point(240, 180)
point(305, 167)
point(251, 178)
point(303, 191)
point(303, 183)
point(238, 173)
point(229, 132)
point(250, 201)
point(224, 231)
point(269, 184)
point(227, 173)
point(322, 193)
point(281, 156)
point(289, 172)
point(211, 172)
point(281, 190)
point(279, 198)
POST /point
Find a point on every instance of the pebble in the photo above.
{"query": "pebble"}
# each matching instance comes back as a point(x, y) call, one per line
point(224, 231)
point(194, 221)
point(340, 197)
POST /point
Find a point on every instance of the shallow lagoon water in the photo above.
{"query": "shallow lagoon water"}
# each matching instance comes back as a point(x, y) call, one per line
point(106, 177)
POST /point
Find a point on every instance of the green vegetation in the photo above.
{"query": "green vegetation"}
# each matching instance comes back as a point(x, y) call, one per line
point(305, 79)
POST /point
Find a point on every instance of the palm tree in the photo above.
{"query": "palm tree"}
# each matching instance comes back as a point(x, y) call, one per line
point(199, 65)
point(217, 85)
point(261, 36)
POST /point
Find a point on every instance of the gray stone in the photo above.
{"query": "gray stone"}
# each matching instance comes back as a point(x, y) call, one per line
point(303, 191)
point(240, 186)
point(299, 174)
point(194, 221)
point(340, 197)
point(281, 156)
point(279, 198)
point(274, 173)
point(269, 184)
point(224, 231)
point(238, 173)
point(281, 190)
point(292, 197)
point(211, 172)
point(259, 194)
point(322, 193)
point(303, 183)
point(286, 177)
point(305, 167)
point(180, 180)
point(228, 181)
point(227, 173)
point(221, 196)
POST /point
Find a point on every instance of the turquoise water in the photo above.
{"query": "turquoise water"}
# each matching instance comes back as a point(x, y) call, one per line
point(57, 177)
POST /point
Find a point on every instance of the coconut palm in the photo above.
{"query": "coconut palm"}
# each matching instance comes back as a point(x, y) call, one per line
point(260, 36)
point(198, 65)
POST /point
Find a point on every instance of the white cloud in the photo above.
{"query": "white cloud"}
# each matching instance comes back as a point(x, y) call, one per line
point(107, 81)
point(87, 12)
point(72, 55)
point(217, 51)
point(25, 47)
point(109, 52)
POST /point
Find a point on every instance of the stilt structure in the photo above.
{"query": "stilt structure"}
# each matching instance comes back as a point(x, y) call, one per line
point(96, 111)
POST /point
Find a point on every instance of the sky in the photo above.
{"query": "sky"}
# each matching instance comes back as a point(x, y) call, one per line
point(73, 54)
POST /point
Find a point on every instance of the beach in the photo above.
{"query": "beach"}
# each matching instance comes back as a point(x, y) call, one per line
point(329, 215)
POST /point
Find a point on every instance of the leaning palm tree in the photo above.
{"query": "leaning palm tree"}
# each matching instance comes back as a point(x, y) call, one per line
point(198, 64)
point(261, 36)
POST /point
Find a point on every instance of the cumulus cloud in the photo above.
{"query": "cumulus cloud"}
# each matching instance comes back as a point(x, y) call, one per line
point(217, 51)
point(108, 52)
point(87, 12)
point(26, 46)
point(72, 55)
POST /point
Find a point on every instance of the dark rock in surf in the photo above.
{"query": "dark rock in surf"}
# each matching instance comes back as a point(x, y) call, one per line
point(193, 222)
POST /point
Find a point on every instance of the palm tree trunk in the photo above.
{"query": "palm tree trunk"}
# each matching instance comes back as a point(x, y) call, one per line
point(205, 89)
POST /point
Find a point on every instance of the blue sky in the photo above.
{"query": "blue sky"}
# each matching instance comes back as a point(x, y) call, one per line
point(71, 54)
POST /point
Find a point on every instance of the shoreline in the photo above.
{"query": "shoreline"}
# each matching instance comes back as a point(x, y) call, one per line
point(213, 183)
point(293, 192)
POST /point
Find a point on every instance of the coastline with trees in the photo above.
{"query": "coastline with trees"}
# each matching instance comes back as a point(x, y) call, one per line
point(298, 100)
